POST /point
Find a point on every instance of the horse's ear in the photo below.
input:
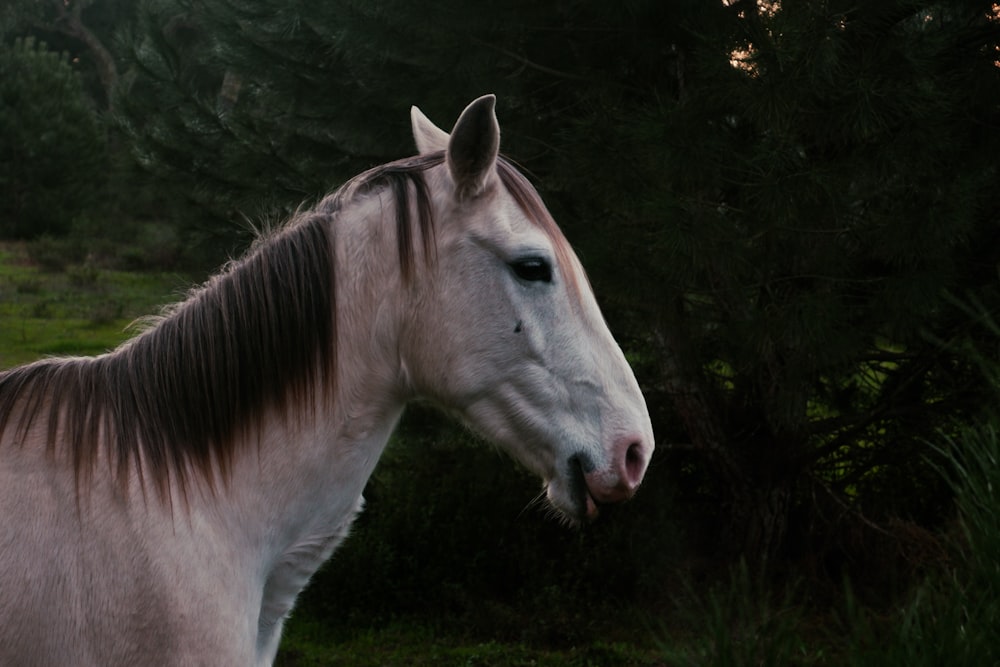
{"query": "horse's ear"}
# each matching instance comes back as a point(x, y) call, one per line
point(429, 137)
point(473, 147)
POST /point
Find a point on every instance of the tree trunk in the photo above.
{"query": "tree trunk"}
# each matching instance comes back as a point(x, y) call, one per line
point(69, 22)
point(758, 521)
point(758, 497)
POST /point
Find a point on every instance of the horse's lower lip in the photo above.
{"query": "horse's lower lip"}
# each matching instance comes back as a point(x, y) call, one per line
point(590, 507)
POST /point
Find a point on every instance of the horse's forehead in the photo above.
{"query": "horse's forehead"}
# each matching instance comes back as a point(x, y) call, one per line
point(499, 217)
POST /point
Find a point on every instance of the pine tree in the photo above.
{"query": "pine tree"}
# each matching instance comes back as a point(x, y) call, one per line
point(83, 28)
point(51, 143)
point(274, 103)
point(824, 181)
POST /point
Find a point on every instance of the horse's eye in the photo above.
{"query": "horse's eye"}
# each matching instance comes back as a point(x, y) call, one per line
point(532, 269)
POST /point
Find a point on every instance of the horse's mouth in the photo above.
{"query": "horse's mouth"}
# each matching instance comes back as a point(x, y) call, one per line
point(585, 507)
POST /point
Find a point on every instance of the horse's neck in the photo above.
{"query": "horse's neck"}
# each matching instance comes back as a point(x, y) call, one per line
point(307, 477)
point(308, 471)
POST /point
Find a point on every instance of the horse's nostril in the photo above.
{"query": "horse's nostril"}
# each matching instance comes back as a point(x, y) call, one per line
point(583, 461)
point(635, 463)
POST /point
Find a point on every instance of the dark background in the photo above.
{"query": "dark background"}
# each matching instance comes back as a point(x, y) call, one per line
point(789, 212)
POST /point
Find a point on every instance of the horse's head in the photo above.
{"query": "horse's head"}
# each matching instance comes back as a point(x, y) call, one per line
point(506, 332)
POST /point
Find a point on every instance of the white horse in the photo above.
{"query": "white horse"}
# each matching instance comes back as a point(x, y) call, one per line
point(166, 502)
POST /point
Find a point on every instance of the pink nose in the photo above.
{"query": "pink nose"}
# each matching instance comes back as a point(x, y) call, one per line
point(629, 457)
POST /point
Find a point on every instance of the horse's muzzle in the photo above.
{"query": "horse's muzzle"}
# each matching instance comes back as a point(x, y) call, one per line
point(616, 483)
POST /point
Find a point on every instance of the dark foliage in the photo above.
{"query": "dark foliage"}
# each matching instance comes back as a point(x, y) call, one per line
point(51, 143)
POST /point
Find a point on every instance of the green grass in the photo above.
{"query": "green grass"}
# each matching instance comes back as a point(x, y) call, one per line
point(411, 643)
point(81, 311)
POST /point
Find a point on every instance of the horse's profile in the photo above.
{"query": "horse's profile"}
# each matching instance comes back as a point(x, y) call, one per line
point(166, 502)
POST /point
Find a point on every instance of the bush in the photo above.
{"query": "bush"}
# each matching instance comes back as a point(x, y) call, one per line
point(55, 254)
point(741, 622)
point(52, 145)
point(954, 619)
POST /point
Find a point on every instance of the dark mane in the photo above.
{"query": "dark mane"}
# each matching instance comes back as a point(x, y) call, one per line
point(259, 336)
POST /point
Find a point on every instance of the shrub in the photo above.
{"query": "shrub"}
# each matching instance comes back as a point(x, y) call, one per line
point(52, 145)
point(54, 254)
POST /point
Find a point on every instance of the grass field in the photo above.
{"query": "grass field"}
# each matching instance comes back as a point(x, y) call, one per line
point(82, 310)
point(407, 642)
